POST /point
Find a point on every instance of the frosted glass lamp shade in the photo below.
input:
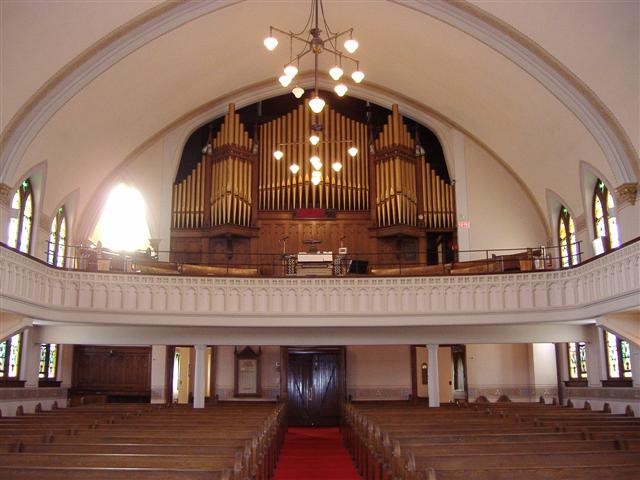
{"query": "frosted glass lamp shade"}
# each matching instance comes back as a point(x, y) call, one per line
point(335, 73)
point(357, 76)
point(351, 45)
point(337, 166)
point(278, 154)
point(316, 104)
point(316, 162)
point(314, 139)
point(353, 151)
point(316, 180)
point(340, 89)
point(290, 71)
point(298, 92)
point(284, 80)
point(271, 43)
point(294, 168)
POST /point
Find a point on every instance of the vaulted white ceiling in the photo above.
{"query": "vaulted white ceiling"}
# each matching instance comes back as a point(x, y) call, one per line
point(544, 86)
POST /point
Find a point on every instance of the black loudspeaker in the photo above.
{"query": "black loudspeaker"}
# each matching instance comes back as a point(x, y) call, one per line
point(359, 266)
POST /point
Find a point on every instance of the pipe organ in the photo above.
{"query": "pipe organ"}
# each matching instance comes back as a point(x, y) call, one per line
point(239, 200)
point(279, 189)
point(408, 190)
point(218, 191)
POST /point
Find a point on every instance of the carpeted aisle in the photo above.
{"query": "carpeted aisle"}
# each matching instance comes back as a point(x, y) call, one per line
point(315, 454)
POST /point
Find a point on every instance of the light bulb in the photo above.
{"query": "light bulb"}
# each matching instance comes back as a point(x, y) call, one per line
point(294, 168)
point(297, 92)
point(351, 45)
point(357, 76)
point(336, 72)
point(353, 151)
point(290, 71)
point(278, 154)
point(316, 162)
point(271, 43)
point(284, 80)
point(337, 166)
point(314, 139)
point(316, 180)
point(316, 104)
point(340, 89)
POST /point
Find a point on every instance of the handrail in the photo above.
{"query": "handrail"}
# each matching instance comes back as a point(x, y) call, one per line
point(394, 263)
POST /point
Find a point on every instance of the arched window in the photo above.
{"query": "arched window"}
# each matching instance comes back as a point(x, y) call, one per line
point(604, 219)
point(577, 360)
point(58, 239)
point(123, 224)
point(48, 362)
point(618, 357)
point(21, 217)
point(567, 239)
point(10, 358)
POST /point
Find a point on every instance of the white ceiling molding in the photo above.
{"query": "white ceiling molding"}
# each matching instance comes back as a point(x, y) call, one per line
point(542, 66)
point(565, 86)
point(70, 80)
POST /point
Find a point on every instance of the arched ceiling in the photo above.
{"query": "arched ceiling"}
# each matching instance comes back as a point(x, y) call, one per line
point(84, 84)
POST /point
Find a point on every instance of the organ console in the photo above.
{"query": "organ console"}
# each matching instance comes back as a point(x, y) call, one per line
point(238, 200)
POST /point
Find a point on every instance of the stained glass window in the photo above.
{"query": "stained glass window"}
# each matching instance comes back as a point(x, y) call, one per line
point(58, 239)
point(3, 354)
point(21, 221)
point(10, 357)
point(567, 238)
point(604, 218)
point(577, 360)
point(618, 357)
point(48, 361)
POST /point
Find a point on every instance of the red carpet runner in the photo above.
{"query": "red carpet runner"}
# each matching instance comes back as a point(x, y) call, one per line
point(315, 454)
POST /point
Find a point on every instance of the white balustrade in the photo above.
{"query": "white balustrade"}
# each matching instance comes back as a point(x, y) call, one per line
point(603, 285)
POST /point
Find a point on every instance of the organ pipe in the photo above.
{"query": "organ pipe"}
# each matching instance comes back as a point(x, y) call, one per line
point(405, 186)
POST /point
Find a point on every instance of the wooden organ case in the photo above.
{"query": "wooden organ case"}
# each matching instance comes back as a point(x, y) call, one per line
point(240, 206)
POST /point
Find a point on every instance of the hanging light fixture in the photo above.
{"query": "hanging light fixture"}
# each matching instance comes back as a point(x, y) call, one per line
point(313, 42)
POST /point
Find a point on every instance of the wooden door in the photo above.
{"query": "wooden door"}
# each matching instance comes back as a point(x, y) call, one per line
point(313, 392)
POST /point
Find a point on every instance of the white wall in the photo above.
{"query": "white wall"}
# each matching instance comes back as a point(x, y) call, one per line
point(497, 369)
point(379, 373)
point(500, 211)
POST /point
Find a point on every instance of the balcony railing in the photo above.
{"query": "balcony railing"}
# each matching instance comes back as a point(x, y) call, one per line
point(341, 263)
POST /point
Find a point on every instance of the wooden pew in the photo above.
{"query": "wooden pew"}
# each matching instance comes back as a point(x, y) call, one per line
point(402, 441)
point(232, 442)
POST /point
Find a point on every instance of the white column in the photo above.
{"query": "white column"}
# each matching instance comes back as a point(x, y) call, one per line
point(635, 364)
point(199, 380)
point(596, 363)
point(158, 373)
point(30, 361)
point(433, 387)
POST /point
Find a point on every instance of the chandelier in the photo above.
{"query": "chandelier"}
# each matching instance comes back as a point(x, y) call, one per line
point(311, 41)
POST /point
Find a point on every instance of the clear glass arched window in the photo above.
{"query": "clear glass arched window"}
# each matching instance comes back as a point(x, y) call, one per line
point(21, 221)
point(604, 219)
point(567, 239)
point(123, 223)
point(57, 249)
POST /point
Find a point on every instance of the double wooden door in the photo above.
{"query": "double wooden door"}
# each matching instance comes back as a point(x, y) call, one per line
point(313, 386)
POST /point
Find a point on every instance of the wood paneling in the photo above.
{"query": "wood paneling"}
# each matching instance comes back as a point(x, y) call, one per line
point(112, 370)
